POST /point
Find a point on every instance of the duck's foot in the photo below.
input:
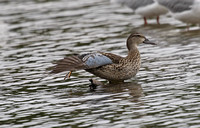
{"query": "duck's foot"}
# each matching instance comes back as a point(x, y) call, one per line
point(92, 86)
point(68, 75)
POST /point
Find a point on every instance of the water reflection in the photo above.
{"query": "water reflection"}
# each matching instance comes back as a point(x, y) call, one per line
point(133, 89)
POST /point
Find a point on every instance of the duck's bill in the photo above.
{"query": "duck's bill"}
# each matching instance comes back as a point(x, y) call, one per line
point(146, 41)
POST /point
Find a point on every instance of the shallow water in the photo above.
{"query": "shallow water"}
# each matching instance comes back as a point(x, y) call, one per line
point(36, 33)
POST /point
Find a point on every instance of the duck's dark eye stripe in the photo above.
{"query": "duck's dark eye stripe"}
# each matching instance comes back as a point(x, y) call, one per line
point(137, 36)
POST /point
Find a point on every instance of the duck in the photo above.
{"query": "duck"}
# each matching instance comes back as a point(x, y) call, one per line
point(109, 66)
point(187, 11)
point(144, 8)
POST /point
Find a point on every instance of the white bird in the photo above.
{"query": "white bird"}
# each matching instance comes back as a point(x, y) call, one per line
point(187, 11)
point(145, 8)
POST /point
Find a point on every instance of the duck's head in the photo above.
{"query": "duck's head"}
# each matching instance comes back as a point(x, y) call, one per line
point(136, 39)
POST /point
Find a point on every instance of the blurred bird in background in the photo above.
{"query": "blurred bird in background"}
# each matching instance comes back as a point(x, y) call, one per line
point(187, 11)
point(145, 8)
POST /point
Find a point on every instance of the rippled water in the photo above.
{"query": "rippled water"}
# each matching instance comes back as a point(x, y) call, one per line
point(36, 33)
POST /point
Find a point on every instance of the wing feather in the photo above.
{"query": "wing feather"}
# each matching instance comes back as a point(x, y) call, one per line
point(96, 59)
point(68, 64)
point(177, 5)
point(134, 4)
point(85, 61)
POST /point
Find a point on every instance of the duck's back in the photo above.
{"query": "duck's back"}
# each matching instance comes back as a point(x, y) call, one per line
point(125, 69)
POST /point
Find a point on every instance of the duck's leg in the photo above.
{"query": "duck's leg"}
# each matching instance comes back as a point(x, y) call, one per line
point(157, 19)
point(145, 21)
point(92, 86)
point(68, 75)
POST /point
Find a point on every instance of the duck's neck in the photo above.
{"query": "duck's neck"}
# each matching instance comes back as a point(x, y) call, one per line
point(133, 54)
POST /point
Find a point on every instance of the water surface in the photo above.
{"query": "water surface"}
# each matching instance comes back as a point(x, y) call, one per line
point(36, 33)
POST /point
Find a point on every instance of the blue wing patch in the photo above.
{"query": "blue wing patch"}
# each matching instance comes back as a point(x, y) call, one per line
point(94, 60)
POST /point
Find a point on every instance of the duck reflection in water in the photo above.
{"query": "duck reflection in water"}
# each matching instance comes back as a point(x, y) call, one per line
point(111, 67)
point(132, 88)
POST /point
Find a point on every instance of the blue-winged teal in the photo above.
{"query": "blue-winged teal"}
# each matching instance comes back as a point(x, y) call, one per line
point(109, 66)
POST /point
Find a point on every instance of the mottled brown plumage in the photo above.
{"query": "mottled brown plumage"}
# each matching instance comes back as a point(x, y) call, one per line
point(70, 63)
point(107, 65)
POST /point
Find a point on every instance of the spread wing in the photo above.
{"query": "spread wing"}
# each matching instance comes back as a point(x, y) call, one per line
point(93, 60)
point(113, 57)
point(70, 63)
point(85, 61)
